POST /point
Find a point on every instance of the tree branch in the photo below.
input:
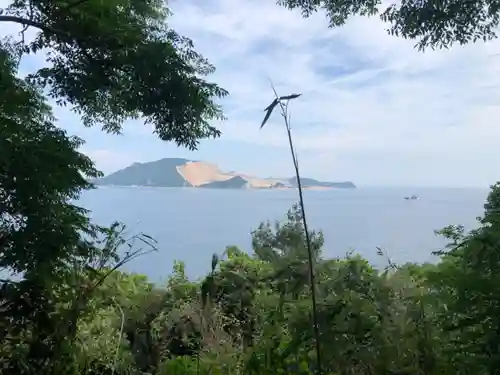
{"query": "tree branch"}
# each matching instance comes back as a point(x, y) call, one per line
point(76, 3)
point(28, 22)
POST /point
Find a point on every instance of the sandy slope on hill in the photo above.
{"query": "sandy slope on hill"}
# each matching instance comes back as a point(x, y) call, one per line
point(198, 173)
point(318, 187)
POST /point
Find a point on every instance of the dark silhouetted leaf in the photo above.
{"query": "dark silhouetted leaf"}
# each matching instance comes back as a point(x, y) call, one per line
point(289, 97)
point(269, 110)
point(215, 262)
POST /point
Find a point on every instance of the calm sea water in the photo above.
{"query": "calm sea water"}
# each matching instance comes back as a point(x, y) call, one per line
point(192, 224)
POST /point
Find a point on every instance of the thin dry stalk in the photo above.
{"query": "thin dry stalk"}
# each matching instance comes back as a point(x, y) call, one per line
point(120, 336)
point(283, 101)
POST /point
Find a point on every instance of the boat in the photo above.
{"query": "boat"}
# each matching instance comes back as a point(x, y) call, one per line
point(412, 198)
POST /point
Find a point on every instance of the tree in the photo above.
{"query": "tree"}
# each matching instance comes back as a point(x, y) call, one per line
point(470, 282)
point(109, 61)
point(433, 23)
point(284, 246)
point(40, 231)
point(115, 60)
point(45, 240)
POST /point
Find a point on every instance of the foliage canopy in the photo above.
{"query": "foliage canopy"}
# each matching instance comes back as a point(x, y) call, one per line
point(433, 23)
point(116, 60)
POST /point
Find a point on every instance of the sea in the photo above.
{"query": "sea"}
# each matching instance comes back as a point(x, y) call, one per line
point(190, 225)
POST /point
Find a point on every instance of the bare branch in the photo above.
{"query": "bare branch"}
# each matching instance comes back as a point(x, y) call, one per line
point(75, 4)
point(27, 26)
point(27, 22)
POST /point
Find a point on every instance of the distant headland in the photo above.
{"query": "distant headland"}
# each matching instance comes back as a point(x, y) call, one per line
point(176, 172)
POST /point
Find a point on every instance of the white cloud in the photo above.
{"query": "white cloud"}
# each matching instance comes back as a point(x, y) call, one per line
point(439, 108)
point(110, 160)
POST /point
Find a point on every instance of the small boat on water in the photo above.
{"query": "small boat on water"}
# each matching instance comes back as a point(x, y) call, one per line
point(412, 198)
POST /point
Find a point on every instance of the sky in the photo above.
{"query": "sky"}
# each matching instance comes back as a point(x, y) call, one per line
point(373, 109)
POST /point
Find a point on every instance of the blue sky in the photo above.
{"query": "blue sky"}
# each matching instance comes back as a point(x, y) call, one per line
point(373, 110)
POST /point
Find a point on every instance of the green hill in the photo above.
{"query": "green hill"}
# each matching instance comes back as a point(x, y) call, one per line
point(310, 182)
point(162, 172)
point(236, 182)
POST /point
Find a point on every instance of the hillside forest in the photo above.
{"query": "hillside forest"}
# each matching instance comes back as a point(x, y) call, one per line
point(67, 307)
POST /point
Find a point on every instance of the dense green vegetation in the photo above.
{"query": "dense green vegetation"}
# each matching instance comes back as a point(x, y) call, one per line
point(65, 307)
point(251, 313)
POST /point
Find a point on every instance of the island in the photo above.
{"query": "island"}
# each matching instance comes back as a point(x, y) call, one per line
point(178, 172)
